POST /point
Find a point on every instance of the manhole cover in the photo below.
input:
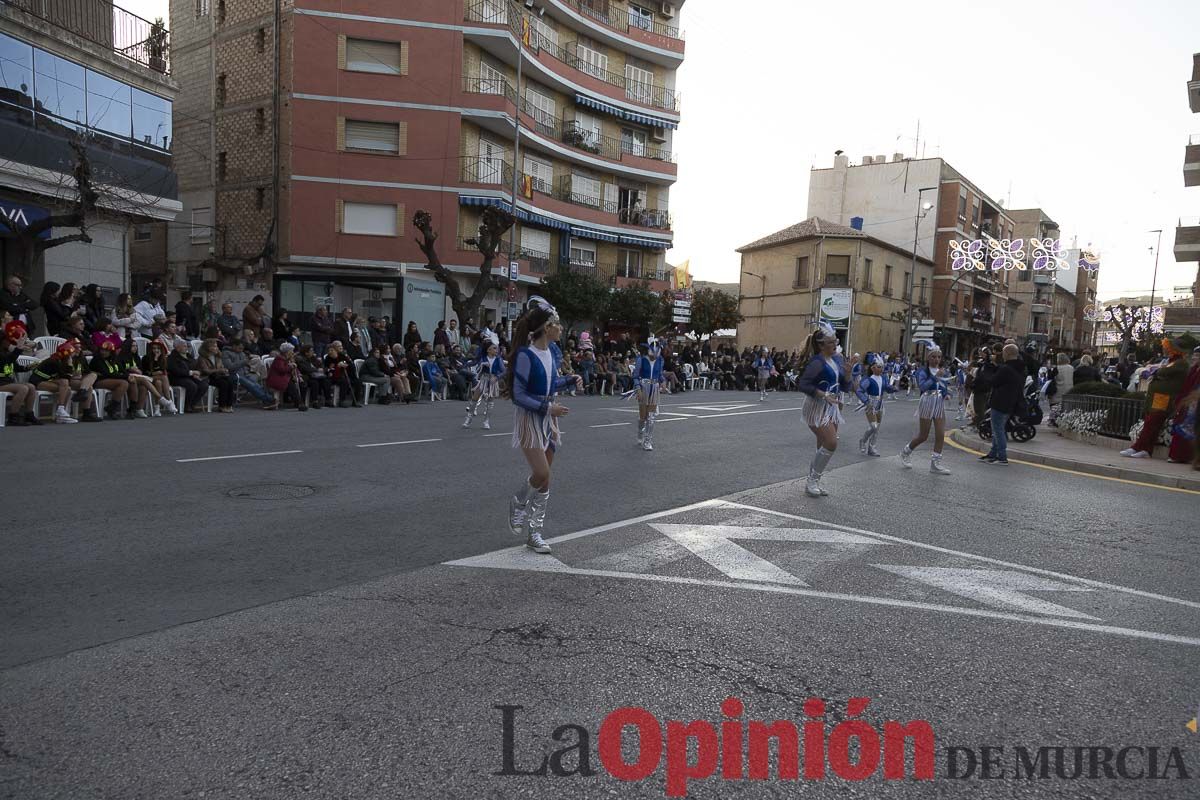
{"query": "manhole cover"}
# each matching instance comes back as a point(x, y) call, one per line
point(271, 491)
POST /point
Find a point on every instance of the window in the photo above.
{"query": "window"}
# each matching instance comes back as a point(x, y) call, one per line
point(110, 105)
point(837, 270)
point(907, 286)
point(629, 263)
point(542, 173)
point(16, 76)
point(866, 282)
point(633, 141)
point(590, 59)
point(977, 213)
point(583, 253)
point(546, 34)
point(201, 225)
point(639, 84)
point(369, 219)
point(385, 58)
point(151, 120)
point(802, 271)
point(962, 205)
point(491, 79)
point(640, 18)
point(540, 106)
point(490, 167)
point(260, 121)
point(202, 8)
point(535, 243)
point(923, 282)
point(260, 42)
point(375, 137)
point(221, 12)
point(588, 127)
point(887, 280)
point(142, 233)
point(220, 90)
point(60, 89)
point(953, 311)
point(260, 197)
point(222, 165)
point(585, 190)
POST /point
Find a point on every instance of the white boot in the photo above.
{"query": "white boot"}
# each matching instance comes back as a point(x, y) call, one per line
point(165, 402)
point(487, 415)
point(648, 437)
point(641, 435)
point(935, 465)
point(812, 487)
point(467, 421)
point(906, 457)
point(537, 521)
point(518, 510)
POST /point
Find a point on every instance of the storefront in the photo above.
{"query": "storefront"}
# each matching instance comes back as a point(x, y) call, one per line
point(368, 296)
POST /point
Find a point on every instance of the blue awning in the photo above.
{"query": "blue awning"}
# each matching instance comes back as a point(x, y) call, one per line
point(637, 241)
point(588, 233)
point(632, 116)
point(521, 214)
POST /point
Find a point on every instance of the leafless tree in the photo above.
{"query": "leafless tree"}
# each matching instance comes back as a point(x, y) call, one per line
point(30, 245)
point(495, 223)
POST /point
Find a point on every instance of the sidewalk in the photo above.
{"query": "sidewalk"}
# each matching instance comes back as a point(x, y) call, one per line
point(1055, 451)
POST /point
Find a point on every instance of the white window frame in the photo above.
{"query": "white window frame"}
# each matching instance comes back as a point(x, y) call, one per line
point(639, 84)
point(640, 17)
point(583, 252)
point(589, 126)
point(630, 270)
point(372, 64)
point(371, 136)
point(585, 189)
point(542, 173)
point(542, 102)
point(544, 31)
point(492, 80)
point(634, 141)
point(491, 162)
point(536, 241)
point(201, 230)
point(367, 224)
point(591, 61)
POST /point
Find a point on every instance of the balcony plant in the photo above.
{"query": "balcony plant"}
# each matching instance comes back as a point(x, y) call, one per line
point(156, 45)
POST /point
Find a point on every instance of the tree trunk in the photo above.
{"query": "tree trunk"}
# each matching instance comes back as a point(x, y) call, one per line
point(494, 225)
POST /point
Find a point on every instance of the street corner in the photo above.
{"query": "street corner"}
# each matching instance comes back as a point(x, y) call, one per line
point(724, 545)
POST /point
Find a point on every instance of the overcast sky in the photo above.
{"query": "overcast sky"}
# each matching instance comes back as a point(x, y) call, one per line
point(1080, 107)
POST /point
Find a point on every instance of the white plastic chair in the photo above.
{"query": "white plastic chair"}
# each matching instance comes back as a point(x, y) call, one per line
point(433, 396)
point(368, 388)
point(45, 345)
point(141, 343)
point(194, 344)
point(689, 376)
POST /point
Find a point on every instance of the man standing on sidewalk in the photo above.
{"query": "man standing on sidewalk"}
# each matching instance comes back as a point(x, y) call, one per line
point(1007, 386)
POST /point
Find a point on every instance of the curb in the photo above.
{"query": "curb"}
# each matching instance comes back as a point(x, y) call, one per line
point(977, 445)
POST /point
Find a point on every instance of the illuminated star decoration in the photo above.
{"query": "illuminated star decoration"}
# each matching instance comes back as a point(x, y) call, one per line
point(1047, 254)
point(1006, 254)
point(1089, 260)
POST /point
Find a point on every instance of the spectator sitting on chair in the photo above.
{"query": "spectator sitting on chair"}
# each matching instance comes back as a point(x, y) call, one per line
point(111, 376)
point(106, 331)
point(124, 318)
point(341, 372)
point(313, 375)
point(19, 305)
point(24, 395)
point(61, 373)
point(140, 384)
point(182, 372)
point(154, 365)
point(461, 376)
point(284, 376)
point(212, 368)
point(354, 350)
point(170, 335)
point(435, 377)
point(267, 344)
point(281, 327)
point(229, 325)
point(394, 365)
point(371, 371)
point(73, 331)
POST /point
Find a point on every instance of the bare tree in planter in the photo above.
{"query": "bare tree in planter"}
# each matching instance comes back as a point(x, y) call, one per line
point(1127, 320)
point(29, 244)
point(496, 222)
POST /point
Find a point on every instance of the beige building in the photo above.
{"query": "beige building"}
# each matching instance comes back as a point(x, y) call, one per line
point(782, 276)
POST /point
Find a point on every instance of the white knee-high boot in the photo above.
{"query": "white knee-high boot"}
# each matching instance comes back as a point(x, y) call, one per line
point(487, 413)
point(648, 438)
point(820, 461)
point(518, 509)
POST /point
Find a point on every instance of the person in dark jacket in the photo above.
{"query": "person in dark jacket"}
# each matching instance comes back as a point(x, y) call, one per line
point(372, 372)
point(182, 373)
point(321, 327)
point(984, 369)
point(281, 327)
point(313, 375)
point(56, 312)
point(341, 371)
point(1006, 391)
point(17, 303)
point(185, 316)
point(111, 375)
point(1086, 372)
point(411, 335)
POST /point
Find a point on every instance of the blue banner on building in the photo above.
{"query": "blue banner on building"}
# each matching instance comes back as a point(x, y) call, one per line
point(16, 217)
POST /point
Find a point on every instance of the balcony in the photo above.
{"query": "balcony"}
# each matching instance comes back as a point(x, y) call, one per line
point(1187, 239)
point(620, 19)
point(652, 218)
point(100, 22)
point(1191, 161)
point(596, 78)
point(1194, 85)
point(618, 276)
point(1043, 277)
point(1038, 307)
point(981, 316)
point(533, 261)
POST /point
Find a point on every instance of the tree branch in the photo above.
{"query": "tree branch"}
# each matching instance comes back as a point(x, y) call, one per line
point(74, 237)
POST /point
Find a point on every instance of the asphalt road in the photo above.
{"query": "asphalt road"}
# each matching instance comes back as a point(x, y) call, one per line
point(342, 621)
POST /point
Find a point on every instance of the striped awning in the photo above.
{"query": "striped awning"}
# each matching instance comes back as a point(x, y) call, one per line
point(588, 233)
point(632, 116)
point(521, 214)
point(637, 241)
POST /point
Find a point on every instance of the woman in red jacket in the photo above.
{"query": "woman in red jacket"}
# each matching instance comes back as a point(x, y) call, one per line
point(284, 377)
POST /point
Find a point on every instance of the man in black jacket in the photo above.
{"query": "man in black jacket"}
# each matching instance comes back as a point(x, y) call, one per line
point(17, 303)
point(1007, 385)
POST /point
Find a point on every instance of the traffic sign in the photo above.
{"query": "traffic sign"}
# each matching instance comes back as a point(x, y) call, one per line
point(514, 270)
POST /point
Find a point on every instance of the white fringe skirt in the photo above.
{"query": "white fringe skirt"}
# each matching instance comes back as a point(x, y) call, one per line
point(819, 413)
point(535, 431)
point(932, 406)
point(489, 386)
point(647, 392)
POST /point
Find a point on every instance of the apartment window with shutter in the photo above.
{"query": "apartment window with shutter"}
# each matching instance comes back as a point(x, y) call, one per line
point(639, 84)
point(203, 7)
point(583, 253)
point(371, 219)
point(385, 58)
point(542, 173)
point(541, 107)
point(907, 286)
point(373, 137)
point(953, 311)
point(922, 300)
point(221, 12)
point(629, 263)
point(887, 280)
point(866, 282)
point(962, 205)
point(802, 271)
point(201, 225)
point(837, 270)
point(222, 165)
point(591, 59)
point(142, 233)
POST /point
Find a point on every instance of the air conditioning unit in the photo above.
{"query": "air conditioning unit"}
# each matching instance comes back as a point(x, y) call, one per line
point(658, 134)
point(668, 10)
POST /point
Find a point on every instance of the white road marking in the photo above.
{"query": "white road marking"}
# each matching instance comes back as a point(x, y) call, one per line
point(719, 408)
point(744, 413)
point(714, 544)
point(244, 455)
point(1004, 589)
point(611, 425)
point(392, 444)
point(490, 435)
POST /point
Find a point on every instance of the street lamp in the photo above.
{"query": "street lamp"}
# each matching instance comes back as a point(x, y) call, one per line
point(922, 212)
point(762, 299)
point(1153, 281)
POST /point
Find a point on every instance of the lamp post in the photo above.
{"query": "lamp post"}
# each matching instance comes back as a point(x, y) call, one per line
point(762, 300)
point(1153, 282)
point(922, 210)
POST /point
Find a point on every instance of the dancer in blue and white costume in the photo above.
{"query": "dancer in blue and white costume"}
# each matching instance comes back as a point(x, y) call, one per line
point(931, 411)
point(824, 379)
point(648, 383)
point(765, 367)
point(489, 373)
point(871, 391)
point(534, 383)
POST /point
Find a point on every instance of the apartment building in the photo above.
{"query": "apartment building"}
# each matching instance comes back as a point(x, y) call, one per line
point(1187, 235)
point(443, 105)
point(782, 277)
point(970, 306)
point(91, 73)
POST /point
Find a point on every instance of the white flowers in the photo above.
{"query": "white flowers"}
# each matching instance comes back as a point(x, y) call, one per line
point(1088, 423)
point(1164, 436)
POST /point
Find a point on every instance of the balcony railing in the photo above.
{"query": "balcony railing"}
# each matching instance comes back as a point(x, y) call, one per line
point(502, 12)
point(492, 86)
point(539, 263)
point(980, 316)
point(837, 281)
point(100, 22)
point(609, 272)
point(619, 18)
point(487, 170)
